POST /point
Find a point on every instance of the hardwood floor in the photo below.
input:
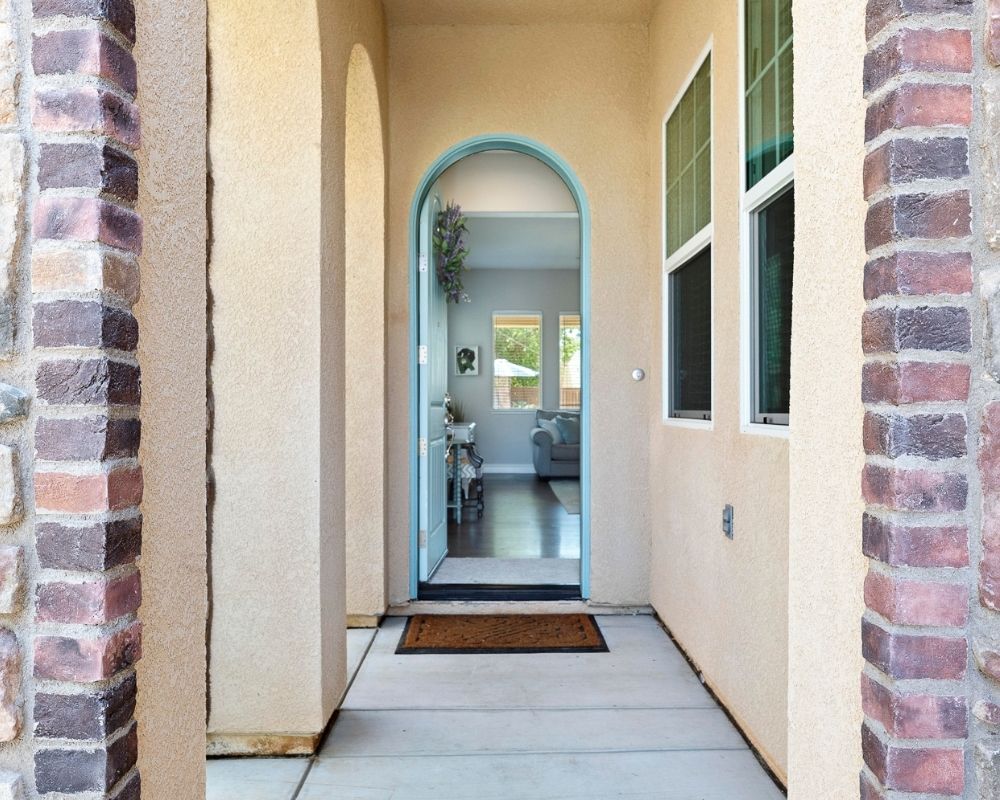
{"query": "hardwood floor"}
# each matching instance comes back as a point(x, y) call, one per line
point(522, 519)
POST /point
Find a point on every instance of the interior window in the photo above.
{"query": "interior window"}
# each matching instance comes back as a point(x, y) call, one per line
point(690, 300)
point(517, 361)
point(570, 361)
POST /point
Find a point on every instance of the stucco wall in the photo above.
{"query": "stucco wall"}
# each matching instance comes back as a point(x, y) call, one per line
point(826, 569)
point(171, 313)
point(726, 601)
point(278, 76)
point(580, 90)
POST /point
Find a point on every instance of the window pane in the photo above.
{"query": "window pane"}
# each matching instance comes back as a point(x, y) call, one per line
point(769, 137)
point(517, 361)
point(570, 361)
point(775, 256)
point(688, 143)
point(690, 301)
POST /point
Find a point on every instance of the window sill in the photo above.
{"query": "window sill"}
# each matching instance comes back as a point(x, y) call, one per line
point(760, 429)
point(692, 424)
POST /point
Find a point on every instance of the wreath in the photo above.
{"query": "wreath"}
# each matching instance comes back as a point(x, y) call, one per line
point(449, 244)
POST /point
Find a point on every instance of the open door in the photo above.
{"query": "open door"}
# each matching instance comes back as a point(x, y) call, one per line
point(433, 357)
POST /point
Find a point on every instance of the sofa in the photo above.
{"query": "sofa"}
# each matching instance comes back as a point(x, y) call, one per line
point(552, 456)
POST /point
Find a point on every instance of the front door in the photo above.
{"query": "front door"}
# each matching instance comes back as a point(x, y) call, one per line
point(433, 357)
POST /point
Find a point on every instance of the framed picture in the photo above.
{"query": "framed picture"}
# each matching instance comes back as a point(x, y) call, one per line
point(467, 360)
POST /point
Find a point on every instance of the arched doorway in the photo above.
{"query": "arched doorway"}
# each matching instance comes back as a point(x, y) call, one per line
point(364, 337)
point(419, 217)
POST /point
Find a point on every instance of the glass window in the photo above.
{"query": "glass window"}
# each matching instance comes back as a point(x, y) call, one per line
point(570, 361)
point(517, 361)
point(688, 163)
point(769, 138)
point(690, 346)
point(774, 231)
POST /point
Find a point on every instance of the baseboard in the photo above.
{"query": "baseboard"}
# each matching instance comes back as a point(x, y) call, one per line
point(363, 620)
point(262, 744)
point(509, 469)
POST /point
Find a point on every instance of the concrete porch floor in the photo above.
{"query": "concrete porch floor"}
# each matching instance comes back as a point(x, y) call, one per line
point(633, 723)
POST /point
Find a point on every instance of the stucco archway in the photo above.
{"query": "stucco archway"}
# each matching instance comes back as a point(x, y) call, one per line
point(364, 367)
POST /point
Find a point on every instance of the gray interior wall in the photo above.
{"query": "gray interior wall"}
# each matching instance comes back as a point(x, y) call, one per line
point(502, 436)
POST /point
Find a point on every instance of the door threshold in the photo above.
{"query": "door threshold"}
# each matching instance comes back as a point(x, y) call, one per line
point(497, 592)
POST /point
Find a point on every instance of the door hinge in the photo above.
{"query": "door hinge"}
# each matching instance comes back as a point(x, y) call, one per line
point(422, 446)
point(422, 539)
point(422, 355)
point(423, 264)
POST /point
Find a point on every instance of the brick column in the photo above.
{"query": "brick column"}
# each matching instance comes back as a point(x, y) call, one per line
point(87, 480)
point(918, 343)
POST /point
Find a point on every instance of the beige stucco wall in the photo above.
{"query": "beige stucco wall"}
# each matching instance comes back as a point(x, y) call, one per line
point(826, 569)
point(725, 601)
point(171, 313)
point(278, 75)
point(580, 90)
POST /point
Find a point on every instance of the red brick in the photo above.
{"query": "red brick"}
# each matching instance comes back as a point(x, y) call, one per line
point(89, 381)
point(936, 328)
point(919, 50)
point(920, 105)
point(86, 438)
point(939, 770)
point(904, 160)
point(914, 602)
point(120, 14)
point(869, 791)
point(913, 656)
point(88, 603)
point(90, 547)
point(88, 219)
point(87, 109)
point(918, 216)
point(83, 323)
point(88, 165)
point(67, 493)
point(906, 382)
point(880, 13)
point(85, 271)
point(913, 273)
point(931, 436)
point(85, 716)
point(989, 474)
point(915, 716)
point(85, 51)
point(71, 771)
point(87, 659)
point(915, 546)
point(914, 489)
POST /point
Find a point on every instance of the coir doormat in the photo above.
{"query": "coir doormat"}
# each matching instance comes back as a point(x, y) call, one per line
point(504, 633)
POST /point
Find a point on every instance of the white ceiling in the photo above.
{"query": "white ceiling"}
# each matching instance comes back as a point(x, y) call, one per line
point(514, 12)
point(524, 242)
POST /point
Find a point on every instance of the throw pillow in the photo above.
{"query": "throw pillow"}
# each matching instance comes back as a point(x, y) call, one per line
point(552, 429)
point(569, 429)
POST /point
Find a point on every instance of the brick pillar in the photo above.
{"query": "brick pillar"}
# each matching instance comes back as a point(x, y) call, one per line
point(87, 479)
point(918, 343)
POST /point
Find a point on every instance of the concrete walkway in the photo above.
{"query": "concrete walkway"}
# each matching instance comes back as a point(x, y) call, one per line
point(633, 723)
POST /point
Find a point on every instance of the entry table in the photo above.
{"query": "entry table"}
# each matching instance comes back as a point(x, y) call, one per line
point(466, 465)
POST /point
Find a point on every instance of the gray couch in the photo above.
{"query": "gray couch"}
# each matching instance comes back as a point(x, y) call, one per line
point(552, 459)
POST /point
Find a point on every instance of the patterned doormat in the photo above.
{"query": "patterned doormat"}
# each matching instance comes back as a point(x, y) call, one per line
point(507, 633)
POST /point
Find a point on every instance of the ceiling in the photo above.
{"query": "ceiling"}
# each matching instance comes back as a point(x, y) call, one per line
point(524, 242)
point(515, 12)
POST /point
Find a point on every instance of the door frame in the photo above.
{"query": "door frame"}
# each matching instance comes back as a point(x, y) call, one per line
point(517, 144)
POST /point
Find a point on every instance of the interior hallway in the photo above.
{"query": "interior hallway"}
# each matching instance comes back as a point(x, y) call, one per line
point(634, 722)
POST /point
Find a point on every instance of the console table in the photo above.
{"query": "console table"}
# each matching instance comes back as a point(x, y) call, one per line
point(462, 440)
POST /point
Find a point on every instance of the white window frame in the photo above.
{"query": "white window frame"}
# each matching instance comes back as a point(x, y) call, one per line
point(686, 252)
point(541, 361)
point(580, 317)
point(752, 201)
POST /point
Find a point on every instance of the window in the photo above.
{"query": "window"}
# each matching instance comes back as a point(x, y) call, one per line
point(687, 266)
point(769, 211)
point(689, 161)
point(517, 361)
point(690, 339)
point(769, 139)
point(570, 361)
